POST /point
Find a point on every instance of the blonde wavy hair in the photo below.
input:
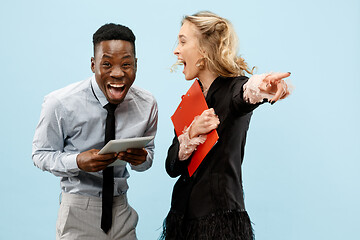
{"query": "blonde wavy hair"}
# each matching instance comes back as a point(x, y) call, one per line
point(219, 44)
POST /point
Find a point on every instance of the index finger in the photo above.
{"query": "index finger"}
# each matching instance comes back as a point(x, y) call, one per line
point(137, 151)
point(106, 156)
point(275, 77)
point(208, 111)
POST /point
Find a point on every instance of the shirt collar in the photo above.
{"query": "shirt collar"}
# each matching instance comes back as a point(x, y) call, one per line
point(99, 95)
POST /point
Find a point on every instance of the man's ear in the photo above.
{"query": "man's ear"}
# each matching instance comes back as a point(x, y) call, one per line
point(93, 64)
point(136, 64)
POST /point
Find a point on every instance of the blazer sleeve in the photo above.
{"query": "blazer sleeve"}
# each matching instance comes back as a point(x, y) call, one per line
point(175, 167)
point(238, 104)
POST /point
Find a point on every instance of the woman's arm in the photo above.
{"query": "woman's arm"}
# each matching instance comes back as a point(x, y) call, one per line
point(184, 145)
point(175, 167)
point(248, 94)
point(269, 86)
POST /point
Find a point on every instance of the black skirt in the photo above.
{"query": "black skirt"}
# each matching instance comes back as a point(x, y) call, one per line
point(228, 225)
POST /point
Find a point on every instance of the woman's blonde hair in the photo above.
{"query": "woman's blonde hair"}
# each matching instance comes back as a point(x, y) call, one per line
point(219, 44)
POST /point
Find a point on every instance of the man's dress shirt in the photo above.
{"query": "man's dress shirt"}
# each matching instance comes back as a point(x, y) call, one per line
point(72, 121)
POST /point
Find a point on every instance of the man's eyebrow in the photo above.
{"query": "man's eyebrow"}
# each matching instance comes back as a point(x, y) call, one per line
point(109, 56)
point(127, 56)
point(182, 36)
point(105, 56)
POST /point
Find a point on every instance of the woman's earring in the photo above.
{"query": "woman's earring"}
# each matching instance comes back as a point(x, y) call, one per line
point(200, 63)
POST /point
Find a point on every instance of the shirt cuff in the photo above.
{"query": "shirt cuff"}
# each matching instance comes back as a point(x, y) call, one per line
point(252, 93)
point(187, 145)
point(70, 163)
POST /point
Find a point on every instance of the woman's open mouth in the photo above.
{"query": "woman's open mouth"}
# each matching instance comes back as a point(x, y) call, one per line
point(182, 62)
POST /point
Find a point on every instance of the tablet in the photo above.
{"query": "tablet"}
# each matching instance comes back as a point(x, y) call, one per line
point(120, 145)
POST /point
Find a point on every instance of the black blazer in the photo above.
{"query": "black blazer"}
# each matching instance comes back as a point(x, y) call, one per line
point(216, 186)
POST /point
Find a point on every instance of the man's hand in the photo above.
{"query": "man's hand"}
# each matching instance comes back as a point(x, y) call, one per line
point(274, 84)
point(135, 156)
point(91, 161)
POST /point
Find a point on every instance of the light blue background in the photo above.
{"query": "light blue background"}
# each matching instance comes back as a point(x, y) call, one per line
point(301, 167)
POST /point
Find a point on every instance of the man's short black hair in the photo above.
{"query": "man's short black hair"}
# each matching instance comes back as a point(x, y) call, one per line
point(111, 31)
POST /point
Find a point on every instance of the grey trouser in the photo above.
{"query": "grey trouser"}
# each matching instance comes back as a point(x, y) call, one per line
point(79, 217)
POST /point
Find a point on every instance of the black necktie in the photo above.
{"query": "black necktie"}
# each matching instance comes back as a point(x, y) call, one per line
point(108, 173)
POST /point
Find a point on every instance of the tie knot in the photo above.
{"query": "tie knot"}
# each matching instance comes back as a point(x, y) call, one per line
point(110, 108)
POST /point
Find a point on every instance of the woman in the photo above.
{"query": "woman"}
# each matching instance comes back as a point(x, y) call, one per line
point(210, 204)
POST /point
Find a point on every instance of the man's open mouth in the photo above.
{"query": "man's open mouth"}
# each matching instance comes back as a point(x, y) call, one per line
point(116, 89)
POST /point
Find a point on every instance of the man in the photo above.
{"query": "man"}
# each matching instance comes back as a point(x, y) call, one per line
point(75, 122)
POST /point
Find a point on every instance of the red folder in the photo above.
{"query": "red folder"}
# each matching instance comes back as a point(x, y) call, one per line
point(193, 104)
